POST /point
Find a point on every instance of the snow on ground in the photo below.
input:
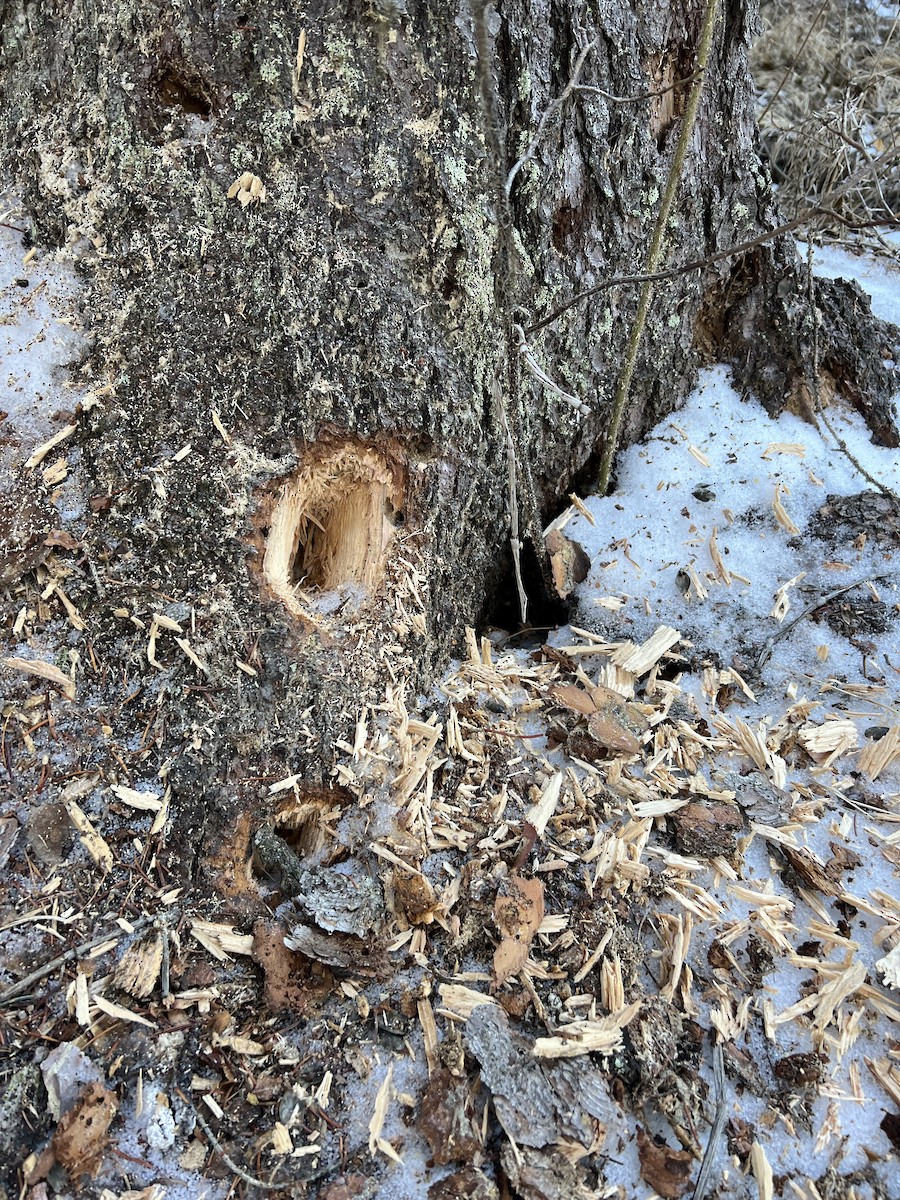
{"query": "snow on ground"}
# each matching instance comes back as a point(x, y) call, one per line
point(713, 530)
point(41, 335)
point(715, 470)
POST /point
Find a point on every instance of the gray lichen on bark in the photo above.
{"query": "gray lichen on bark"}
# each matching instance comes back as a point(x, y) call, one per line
point(359, 302)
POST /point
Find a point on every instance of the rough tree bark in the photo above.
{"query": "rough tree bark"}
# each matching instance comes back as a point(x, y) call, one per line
point(351, 330)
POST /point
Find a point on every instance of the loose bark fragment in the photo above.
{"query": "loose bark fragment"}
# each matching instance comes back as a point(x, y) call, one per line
point(341, 951)
point(799, 1070)
point(82, 1133)
point(810, 869)
point(539, 1104)
point(667, 1171)
point(446, 1119)
point(284, 970)
point(609, 733)
point(414, 896)
point(569, 564)
point(518, 913)
point(890, 1127)
point(347, 1187)
point(468, 1184)
point(707, 830)
point(540, 1174)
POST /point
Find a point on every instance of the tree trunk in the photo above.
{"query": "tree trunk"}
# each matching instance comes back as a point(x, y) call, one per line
point(301, 265)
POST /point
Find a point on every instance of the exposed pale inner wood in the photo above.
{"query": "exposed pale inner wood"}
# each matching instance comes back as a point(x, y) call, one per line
point(330, 526)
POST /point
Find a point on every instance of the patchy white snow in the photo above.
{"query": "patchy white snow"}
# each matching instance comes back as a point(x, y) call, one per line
point(706, 484)
point(41, 336)
point(714, 471)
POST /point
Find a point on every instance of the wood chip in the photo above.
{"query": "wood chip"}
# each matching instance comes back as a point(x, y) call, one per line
point(376, 1123)
point(43, 670)
point(462, 1001)
point(826, 742)
point(587, 1037)
point(429, 1034)
point(722, 571)
point(539, 814)
point(762, 1172)
point(82, 1000)
point(878, 755)
point(55, 473)
point(889, 966)
point(220, 428)
point(164, 622)
point(138, 970)
point(239, 1044)
point(221, 940)
point(835, 992)
point(578, 503)
point(40, 453)
point(119, 1012)
point(887, 1075)
point(782, 605)
point(146, 801)
point(185, 646)
point(96, 847)
point(639, 659)
point(781, 514)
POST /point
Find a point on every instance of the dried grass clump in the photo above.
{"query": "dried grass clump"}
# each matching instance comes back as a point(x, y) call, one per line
point(828, 74)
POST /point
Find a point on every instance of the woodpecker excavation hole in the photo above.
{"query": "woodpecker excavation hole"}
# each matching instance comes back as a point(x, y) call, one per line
point(330, 525)
point(306, 822)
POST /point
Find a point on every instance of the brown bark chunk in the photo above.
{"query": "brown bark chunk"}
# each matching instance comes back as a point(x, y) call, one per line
point(667, 1171)
point(445, 1119)
point(707, 829)
point(82, 1133)
point(518, 913)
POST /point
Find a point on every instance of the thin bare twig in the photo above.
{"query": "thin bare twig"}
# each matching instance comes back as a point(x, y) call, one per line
point(817, 392)
point(586, 89)
point(528, 357)
point(766, 652)
point(613, 99)
point(229, 1162)
point(696, 264)
point(655, 254)
point(551, 110)
point(18, 989)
